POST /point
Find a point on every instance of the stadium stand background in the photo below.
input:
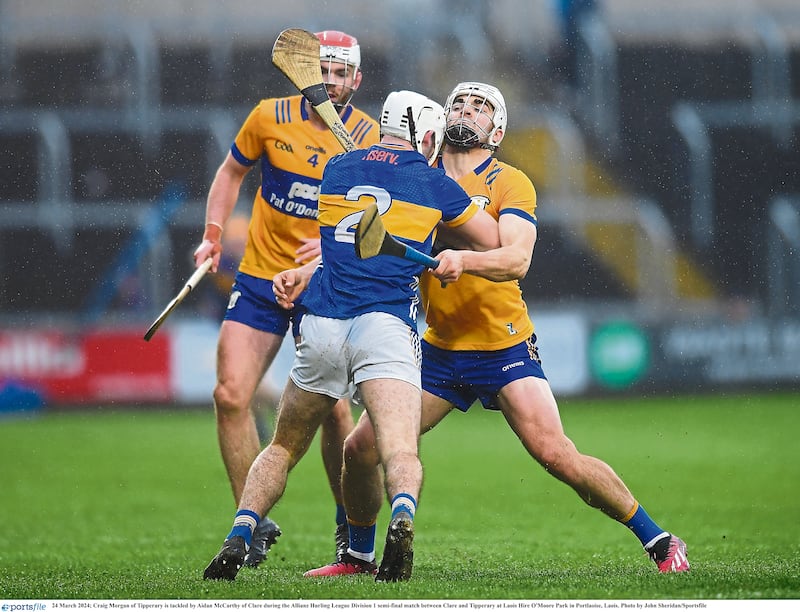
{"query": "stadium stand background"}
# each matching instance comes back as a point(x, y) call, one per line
point(662, 138)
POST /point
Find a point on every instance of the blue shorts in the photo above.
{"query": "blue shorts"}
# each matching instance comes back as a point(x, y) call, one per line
point(462, 377)
point(252, 303)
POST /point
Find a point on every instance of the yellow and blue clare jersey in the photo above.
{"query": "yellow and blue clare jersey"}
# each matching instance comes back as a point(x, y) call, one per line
point(293, 153)
point(476, 314)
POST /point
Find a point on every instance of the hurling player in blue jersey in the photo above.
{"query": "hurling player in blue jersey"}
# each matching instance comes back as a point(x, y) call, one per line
point(360, 325)
point(292, 144)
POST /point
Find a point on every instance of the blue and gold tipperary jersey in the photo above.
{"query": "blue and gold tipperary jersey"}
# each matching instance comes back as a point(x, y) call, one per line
point(476, 314)
point(412, 199)
point(293, 153)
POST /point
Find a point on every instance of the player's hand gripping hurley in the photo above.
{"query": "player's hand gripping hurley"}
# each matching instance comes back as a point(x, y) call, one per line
point(296, 54)
point(199, 273)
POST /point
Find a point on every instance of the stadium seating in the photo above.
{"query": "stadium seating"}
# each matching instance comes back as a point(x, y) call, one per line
point(577, 277)
point(734, 66)
point(139, 98)
point(19, 154)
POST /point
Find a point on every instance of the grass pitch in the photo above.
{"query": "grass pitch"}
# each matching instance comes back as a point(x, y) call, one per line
point(128, 504)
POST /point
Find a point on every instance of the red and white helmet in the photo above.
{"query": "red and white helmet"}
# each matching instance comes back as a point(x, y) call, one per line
point(338, 47)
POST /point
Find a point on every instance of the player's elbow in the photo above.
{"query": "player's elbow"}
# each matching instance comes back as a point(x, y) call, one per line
point(518, 265)
point(512, 268)
point(520, 271)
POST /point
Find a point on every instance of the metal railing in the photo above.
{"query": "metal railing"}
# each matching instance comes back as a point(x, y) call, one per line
point(56, 211)
point(693, 122)
point(597, 96)
point(783, 257)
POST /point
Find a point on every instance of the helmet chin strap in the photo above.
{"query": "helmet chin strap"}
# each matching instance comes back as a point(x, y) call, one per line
point(340, 104)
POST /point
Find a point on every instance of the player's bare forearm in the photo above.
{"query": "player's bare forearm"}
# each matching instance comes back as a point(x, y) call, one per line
point(224, 191)
point(222, 196)
point(513, 259)
point(508, 262)
point(503, 264)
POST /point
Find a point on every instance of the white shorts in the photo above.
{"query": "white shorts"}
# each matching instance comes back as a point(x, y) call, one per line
point(335, 353)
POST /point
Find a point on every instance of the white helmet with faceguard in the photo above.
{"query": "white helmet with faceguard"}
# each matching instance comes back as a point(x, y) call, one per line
point(464, 131)
point(426, 116)
point(337, 47)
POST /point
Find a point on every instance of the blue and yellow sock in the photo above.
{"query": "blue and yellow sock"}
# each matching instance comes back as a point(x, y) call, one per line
point(643, 526)
point(362, 541)
point(243, 525)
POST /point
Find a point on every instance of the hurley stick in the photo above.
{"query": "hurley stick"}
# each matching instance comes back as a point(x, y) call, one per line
point(372, 239)
point(296, 55)
point(187, 288)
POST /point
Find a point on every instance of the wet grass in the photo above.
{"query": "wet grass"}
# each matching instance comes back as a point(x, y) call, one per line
point(132, 504)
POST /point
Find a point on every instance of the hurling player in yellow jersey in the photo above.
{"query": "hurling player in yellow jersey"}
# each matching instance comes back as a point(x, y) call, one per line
point(480, 346)
point(293, 145)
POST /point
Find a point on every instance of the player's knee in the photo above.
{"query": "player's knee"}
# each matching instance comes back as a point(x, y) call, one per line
point(340, 417)
point(229, 401)
point(556, 458)
point(360, 450)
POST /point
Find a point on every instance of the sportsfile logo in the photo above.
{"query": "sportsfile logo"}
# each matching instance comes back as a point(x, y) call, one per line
point(20, 607)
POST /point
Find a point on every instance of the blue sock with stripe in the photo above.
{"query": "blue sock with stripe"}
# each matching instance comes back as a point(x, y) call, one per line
point(403, 502)
point(362, 541)
point(643, 526)
point(243, 525)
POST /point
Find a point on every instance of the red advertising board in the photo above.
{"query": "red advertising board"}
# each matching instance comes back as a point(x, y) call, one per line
point(91, 367)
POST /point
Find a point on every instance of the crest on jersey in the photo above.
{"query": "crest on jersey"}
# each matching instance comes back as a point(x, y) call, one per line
point(481, 201)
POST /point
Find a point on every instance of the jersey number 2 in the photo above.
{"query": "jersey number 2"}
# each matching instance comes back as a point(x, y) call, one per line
point(346, 228)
